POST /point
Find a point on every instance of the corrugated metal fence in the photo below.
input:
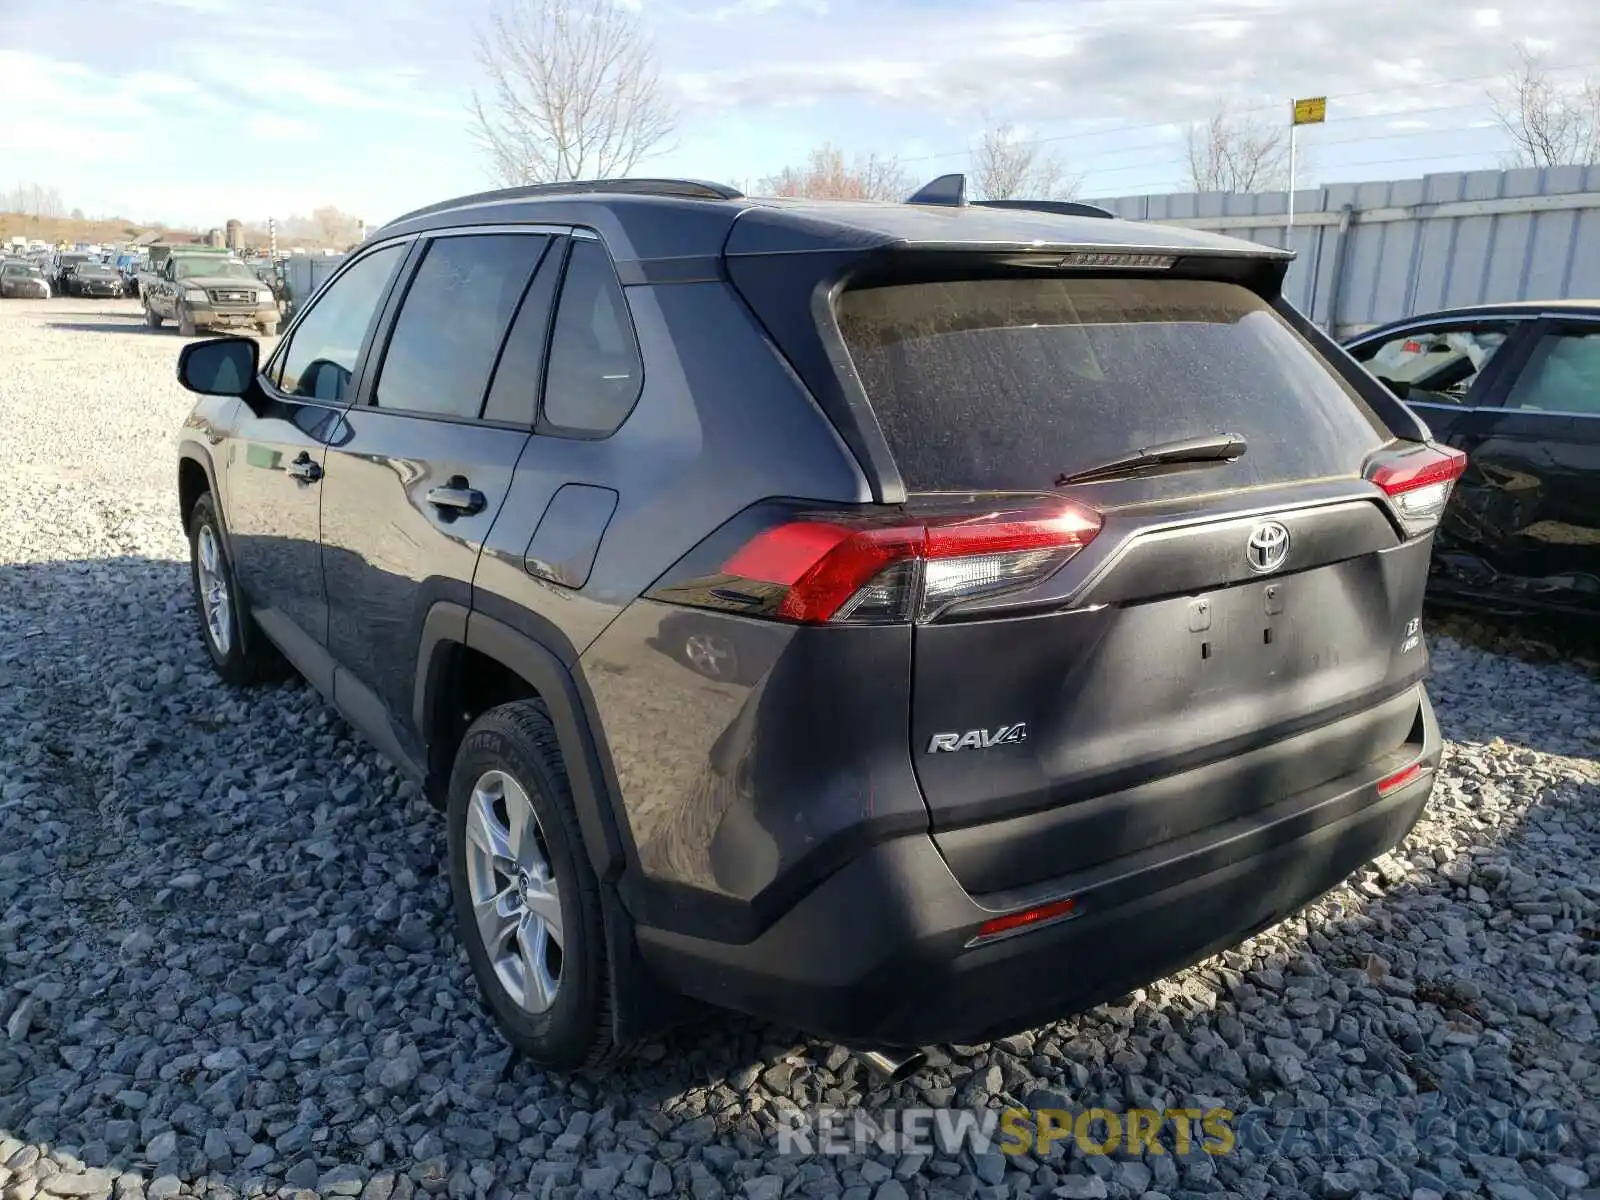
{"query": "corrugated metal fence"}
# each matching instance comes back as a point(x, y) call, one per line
point(1372, 252)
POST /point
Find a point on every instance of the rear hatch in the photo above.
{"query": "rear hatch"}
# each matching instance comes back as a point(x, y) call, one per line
point(1205, 612)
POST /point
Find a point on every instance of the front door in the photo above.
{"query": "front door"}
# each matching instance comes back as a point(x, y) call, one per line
point(274, 464)
point(411, 492)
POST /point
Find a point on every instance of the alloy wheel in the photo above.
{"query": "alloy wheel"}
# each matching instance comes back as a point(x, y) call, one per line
point(214, 595)
point(516, 901)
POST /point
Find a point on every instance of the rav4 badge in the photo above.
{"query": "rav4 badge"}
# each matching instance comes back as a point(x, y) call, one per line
point(979, 739)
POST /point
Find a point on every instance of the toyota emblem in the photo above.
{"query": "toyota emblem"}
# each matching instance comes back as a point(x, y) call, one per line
point(1267, 548)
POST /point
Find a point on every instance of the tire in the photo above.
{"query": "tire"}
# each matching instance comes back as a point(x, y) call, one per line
point(515, 746)
point(151, 317)
point(237, 659)
point(185, 323)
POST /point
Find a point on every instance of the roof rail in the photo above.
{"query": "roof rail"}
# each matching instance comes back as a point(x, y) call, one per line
point(688, 189)
point(1065, 208)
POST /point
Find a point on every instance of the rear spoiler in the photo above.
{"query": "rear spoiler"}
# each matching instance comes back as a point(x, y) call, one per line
point(950, 191)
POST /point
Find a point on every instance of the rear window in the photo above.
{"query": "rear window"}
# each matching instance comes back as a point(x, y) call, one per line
point(1008, 383)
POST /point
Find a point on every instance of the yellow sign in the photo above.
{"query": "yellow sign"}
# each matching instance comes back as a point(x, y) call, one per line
point(1313, 111)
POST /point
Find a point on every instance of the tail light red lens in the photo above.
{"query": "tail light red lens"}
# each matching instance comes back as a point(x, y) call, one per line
point(1419, 483)
point(848, 571)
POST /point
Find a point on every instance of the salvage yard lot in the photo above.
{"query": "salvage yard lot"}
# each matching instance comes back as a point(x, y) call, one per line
point(226, 957)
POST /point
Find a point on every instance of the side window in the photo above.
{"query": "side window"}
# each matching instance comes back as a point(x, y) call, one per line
point(1435, 366)
point(321, 356)
point(514, 394)
point(595, 372)
point(453, 320)
point(1562, 375)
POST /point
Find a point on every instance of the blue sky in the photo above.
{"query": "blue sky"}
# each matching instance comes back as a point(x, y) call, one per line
point(199, 110)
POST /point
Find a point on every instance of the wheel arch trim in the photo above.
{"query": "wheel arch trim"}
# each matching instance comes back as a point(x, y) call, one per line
point(449, 625)
point(189, 451)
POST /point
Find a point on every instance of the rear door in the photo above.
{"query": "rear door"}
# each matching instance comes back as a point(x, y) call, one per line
point(1449, 372)
point(1533, 492)
point(1222, 608)
point(413, 488)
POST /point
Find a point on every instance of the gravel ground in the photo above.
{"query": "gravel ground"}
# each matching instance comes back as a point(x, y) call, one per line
point(226, 966)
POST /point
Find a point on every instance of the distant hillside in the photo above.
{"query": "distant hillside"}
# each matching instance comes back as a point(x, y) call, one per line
point(65, 229)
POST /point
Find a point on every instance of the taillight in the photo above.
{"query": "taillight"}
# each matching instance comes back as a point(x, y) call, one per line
point(1419, 482)
point(841, 569)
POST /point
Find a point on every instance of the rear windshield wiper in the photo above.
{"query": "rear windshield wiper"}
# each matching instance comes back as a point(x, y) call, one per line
point(1220, 447)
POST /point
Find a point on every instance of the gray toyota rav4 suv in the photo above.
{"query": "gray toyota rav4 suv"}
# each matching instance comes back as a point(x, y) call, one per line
point(908, 622)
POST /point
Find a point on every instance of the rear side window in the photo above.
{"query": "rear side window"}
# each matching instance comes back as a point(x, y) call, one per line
point(1008, 383)
point(595, 373)
point(514, 393)
point(452, 321)
point(1563, 375)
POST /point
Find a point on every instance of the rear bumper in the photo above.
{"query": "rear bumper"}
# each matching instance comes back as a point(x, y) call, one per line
point(878, 954)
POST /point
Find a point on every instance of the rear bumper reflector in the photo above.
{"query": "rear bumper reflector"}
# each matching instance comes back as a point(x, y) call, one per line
point(1402, 777)
point(1028, 918)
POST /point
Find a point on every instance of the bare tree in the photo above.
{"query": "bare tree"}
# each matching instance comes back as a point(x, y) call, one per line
point(1550, 125)
point(1006, 167)
point(573, 92)
point(327, 225)
point(1236, 153)
point(33, 200)
point(826, 175)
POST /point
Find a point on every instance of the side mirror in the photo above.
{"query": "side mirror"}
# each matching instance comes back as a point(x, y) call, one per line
point(224, 366)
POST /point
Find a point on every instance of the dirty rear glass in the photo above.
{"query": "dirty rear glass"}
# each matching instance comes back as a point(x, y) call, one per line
point(1007, 383)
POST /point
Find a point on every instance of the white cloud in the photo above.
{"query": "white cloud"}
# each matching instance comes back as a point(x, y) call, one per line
point(75, 110)
point(758, 81)
point(280, 129)
point(753, 9)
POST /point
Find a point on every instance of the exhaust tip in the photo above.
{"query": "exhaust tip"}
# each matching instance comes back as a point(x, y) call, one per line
point(893, 1066)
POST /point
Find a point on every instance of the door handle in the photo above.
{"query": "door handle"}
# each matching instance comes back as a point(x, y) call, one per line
point(457, 497)
point(304, 468)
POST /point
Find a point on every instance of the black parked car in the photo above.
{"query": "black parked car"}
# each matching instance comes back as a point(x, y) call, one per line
point(1074, 582)
point(65, 264)
point(94, 280)
point(1517, 387)
point(23, 280)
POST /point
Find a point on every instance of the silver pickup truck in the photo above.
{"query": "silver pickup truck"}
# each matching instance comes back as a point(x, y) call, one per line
point(207, 291)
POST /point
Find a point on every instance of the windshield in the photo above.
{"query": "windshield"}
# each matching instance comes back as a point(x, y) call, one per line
point(19, 270)
point(212, 268)
point(1006, 384)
